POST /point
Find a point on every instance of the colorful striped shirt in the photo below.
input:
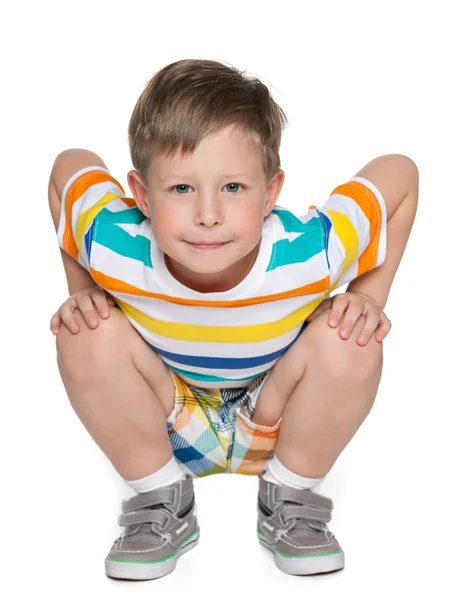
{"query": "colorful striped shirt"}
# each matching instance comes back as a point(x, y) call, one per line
point(222, 339)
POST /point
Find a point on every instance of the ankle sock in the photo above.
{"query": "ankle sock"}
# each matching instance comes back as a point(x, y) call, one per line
point(168, 474)
point(277, 473)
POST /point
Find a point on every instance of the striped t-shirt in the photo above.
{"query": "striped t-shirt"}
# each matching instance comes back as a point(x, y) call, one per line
point(222, 339)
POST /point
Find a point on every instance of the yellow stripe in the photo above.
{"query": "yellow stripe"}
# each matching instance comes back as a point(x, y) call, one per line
point(243, 334)
point(87, 216)
point(348, 236)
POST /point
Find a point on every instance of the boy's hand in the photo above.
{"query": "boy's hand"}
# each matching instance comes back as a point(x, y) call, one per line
point(85, 301)
point(355, 304)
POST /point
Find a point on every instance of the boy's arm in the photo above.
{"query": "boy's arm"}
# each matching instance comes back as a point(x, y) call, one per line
point(397, 178)
point(66, 164)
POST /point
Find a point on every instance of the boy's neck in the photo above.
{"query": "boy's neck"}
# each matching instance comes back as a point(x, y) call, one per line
point(221, 284)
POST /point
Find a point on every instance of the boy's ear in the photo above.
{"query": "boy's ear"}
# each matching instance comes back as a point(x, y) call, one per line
point(273, 191)
point(139, 191)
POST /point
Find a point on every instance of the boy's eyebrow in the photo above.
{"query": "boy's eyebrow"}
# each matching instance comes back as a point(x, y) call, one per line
point(226, 176)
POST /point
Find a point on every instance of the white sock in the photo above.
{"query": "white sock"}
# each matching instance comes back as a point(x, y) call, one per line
point(277, 473)
point(168, 474)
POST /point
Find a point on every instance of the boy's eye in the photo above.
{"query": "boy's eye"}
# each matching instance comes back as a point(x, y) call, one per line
point(184, 185)
point(234, 185)
point(181, 185)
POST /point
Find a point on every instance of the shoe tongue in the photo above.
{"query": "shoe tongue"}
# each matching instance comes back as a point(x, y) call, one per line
point(157, 506)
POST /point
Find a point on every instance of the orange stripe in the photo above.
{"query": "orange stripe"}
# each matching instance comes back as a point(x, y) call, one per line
point(76, 189)
point(368, 203)
point(130, 202)
point(116, 285)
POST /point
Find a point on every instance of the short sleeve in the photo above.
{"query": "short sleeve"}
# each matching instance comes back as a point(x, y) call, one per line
point(88, 192)
point(354, 219)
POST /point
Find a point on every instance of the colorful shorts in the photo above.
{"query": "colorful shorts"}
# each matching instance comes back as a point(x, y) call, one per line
point(211, 430)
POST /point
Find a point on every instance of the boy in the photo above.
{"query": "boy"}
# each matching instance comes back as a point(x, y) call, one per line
point(219, 291)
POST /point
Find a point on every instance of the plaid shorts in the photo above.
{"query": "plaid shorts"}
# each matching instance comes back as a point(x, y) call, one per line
point(211, 430)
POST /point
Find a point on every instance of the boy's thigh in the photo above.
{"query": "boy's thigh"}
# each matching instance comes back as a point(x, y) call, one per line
point(150, 365)
point(119, 333)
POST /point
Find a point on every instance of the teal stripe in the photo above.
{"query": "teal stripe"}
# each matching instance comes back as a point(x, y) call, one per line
point(284, 252)
point(291, 223)
point(308, 244)
point(116, 239)
point(201, 377)
point(128, 215)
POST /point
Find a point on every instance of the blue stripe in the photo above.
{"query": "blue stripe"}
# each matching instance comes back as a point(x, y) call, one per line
point(220, 362)
point(118, 240)
point(88, 241)
point(214, 362)
point(327, 224)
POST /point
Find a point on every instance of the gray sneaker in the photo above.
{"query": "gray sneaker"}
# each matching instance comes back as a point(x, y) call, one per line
point(292, 525)
point(159, 526)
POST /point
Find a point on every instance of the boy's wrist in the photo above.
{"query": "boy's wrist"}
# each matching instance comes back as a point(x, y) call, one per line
point(77, 277)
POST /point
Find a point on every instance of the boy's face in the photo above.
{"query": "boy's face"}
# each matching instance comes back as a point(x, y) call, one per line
point(218, 193)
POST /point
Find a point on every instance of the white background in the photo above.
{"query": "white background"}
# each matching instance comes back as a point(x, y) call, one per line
point(357, 80)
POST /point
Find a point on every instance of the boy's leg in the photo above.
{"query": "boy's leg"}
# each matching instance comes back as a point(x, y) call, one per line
point(324, 387)
point(121, 391)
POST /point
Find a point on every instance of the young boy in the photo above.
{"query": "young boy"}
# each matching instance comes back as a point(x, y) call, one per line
point(225, 352)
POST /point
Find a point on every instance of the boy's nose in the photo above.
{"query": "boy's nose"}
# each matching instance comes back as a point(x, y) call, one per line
point(208, 211)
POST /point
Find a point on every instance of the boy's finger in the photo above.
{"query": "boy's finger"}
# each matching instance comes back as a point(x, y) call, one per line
point(372, 322)
point(55, 322)
point(339, 306)
point(335, 317)
point(351, 315)
point(383, 329)
point(68, 318)
point(88, 311)
point(101, 304)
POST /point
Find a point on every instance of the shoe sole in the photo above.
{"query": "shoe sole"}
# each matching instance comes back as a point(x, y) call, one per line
point(124, 569)
point(305, 565)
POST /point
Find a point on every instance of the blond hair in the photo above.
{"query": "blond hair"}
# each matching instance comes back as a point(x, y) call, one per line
point(188, 99)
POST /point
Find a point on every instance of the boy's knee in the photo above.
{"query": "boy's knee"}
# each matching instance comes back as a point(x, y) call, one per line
point(79, 352)
point(345, 359)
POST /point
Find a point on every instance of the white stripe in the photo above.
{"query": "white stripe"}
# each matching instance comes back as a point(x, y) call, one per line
point(182, 528)
point(276, 281)
point(76, 175)
point(261, 283)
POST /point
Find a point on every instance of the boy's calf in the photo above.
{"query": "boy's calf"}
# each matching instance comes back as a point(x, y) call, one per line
point(118, 388)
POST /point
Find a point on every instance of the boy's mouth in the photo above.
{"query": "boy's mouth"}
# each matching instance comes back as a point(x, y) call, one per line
point(208, 245)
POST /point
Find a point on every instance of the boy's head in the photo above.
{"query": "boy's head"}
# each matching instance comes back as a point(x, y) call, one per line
point(204, 141)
